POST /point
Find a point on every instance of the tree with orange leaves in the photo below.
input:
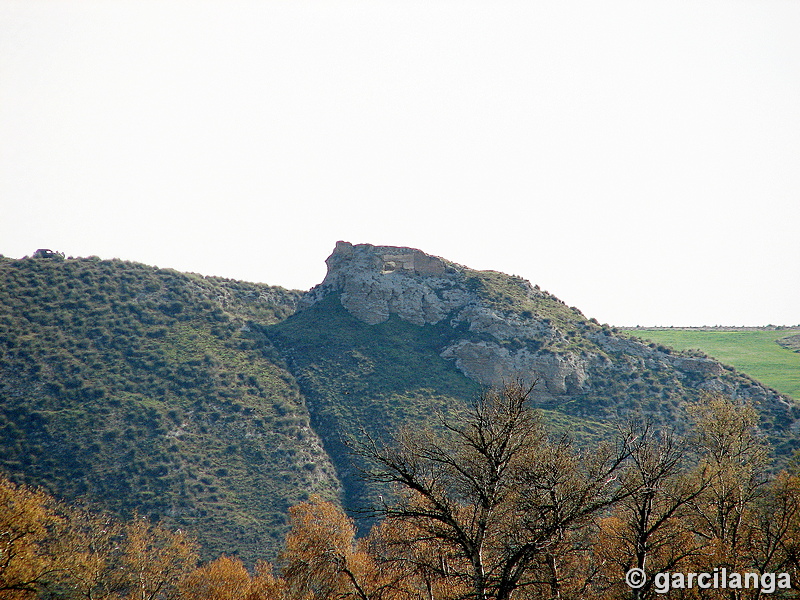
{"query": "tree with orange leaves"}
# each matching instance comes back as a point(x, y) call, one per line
point(31, 552)
point(227, 579)
point(323, 561)
point(156, 560)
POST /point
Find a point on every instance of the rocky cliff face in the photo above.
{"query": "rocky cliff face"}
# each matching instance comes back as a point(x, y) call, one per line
point(504, 327)
point(374, 282)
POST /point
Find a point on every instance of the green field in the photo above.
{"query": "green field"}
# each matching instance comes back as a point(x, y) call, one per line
point(752, 351)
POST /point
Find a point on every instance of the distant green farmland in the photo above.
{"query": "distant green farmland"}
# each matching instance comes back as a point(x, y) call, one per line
point(751, 351)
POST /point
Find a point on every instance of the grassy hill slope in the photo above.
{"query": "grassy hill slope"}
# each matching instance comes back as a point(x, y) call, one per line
point(136, 388)
point(373, 377)
point(757, 352)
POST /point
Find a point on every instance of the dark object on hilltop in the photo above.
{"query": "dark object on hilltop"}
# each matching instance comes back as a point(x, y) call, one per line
point(47, 253)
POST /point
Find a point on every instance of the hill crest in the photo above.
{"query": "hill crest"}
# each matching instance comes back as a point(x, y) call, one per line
point(503, 326)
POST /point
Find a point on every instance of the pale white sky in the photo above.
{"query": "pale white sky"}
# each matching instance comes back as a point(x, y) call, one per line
point(638, 159)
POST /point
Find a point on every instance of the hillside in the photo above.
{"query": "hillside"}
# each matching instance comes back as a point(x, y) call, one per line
point(137, 389)
point(214, 405)
point(770, 354)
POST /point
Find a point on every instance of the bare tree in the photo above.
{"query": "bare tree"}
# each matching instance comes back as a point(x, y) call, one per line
point(648, 530)
point(772, 535)
point(492, 498)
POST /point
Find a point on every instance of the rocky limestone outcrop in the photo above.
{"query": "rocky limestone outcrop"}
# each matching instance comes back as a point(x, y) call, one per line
point(374, 282)
point(490, 363)
point(377, 281)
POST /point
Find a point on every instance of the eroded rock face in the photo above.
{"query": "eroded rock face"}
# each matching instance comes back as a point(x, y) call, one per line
point(490, 363)
point(376, 281)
